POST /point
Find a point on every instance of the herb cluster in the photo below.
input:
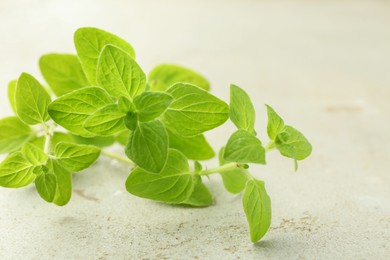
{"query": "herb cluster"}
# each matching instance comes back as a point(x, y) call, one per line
point(104, 97)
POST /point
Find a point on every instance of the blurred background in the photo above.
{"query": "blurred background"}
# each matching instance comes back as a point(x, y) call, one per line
point(323, 65)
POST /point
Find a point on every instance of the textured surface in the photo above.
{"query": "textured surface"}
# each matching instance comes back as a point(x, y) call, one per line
point(324, 66)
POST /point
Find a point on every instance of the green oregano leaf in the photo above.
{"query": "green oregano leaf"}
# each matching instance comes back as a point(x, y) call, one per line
point(64, 184)
point(119, 73)
point(125, 105)
point(14, 133)
point(63, 72)
point(148, 146)
point(275, 123)
point(46, 185)
point(108, 120)
point(233, 180)
point(11, 93)
point(201, 196)
point(131, 120)
point(99, 141)
point(242, 113)
point(293, 144)
point(151, 105)
point(165, 75)
point(71, 110)
point(257, 208)
point(89, 42)
point(16, 171)
point(34, 154)
point(174, 184)
point(31, 100)
point(244, 147)
point(75, 157)
point(194, 110)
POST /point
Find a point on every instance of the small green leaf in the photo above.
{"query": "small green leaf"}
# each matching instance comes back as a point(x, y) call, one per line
point(11, 94)
point(194, 110)
point(34, 154)
point(76, 157)
point(119, 73)
point(201, 196)
point(14, 133)
point(173, 185)
point(89, 42)
point(125, 105)
point(46, 185)
point(71, 110)
point(99, 141)
point(244, 147)
point(63, 72)
point(16, 171)
point(31, 100)
point(242, 113)
point(275, 123)
point(148, 146)
point(257, 207)
point(293, 144)
point(64, 184)
point(131, 120)
point(165, 75)
point(198, 166)
point(108, 120)
point(194, 147)
point(234, 180)
point(151, 105)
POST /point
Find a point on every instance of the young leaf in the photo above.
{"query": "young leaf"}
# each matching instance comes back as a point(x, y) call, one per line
point(173, 185)
point(242, 113)
point(194, 110)
point(293, 144)
point(71, 110)
point(165, 75)
point(63, 72)
point(257, 207)
point(275, 123)
point(148, 146)
point(46, 185)
point(233, 180)
point(108, 120)
point(64, 184)
point(119, 73)
point(89, 42)
point(75, 157)
point(244, 147)
point(16, 171)
point(99, 141)
point(31, 100)
point(193, 147)
point(201, 196)
point(131, 120)
point(34, 154)
point(14, 133)
point(151, 105)
point(125, 105)
point(11, 94)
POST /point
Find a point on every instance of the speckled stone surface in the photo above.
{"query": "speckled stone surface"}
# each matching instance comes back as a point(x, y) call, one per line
point(323, 65)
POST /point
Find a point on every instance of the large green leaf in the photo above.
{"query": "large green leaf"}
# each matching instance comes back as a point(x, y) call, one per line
point(119, 73)
point(194, 110)
point(14, 133)
point(89, 42)
point(46, 185)
point(201, 196)
point(63, 72)
point(71, 110)
point(34, 154)
point(64, 184)
point(76, 157)
point(257, 208)
point(165, 75)
point(244, 147)
point(31, 100)
point(148, 146)
point(193, 147)
point(108, 120)
point(16, 171)
point(173, 185)
point(241, 111)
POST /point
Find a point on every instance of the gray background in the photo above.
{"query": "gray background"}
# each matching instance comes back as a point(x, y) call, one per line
point(323, 65)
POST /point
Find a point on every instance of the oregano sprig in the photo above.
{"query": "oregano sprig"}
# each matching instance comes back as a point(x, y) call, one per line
point(101, 96)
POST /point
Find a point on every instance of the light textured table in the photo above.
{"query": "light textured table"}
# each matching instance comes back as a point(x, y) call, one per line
point(325, 66)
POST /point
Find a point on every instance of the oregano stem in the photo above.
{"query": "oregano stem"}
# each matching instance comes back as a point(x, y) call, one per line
point(222, 168)
point(270, 146)
point(117, 157)
point(48, 136)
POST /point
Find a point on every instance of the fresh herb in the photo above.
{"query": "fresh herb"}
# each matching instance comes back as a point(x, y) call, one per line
point(104, 97)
